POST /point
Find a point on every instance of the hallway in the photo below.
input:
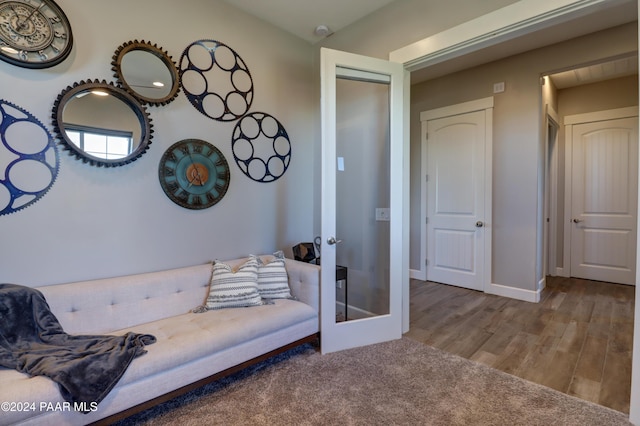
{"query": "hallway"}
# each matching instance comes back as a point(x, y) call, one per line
point(577, 340)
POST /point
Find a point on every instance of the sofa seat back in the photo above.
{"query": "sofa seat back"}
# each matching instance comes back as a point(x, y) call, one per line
point(101, 306)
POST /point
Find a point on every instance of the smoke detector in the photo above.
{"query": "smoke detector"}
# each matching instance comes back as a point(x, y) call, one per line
point(322, 31)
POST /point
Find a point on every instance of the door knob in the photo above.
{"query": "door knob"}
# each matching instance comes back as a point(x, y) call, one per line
point(331, 241)
point(479, 224)
point(577, 220)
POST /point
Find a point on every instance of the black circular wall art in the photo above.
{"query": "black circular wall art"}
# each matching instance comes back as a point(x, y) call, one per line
point(261, 147)
point(29, 160)
point(216, 80)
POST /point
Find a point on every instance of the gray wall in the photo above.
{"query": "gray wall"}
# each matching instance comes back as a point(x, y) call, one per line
point(517, 133)
point(97, 222)
point(617, 93)
point(517, 151)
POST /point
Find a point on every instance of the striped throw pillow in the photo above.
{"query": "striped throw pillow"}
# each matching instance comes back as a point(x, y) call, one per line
point(234, 289)
point(273, 281)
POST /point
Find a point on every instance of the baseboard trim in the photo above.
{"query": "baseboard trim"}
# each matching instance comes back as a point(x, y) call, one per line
point(514, 293)
point(355, 312)
point(560, 273)
point(542, 284)
point(417, 274)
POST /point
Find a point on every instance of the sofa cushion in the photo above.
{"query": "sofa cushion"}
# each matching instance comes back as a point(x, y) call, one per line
point(234, 288)
point(184, 338)
point(103, 305)
point(273, 281)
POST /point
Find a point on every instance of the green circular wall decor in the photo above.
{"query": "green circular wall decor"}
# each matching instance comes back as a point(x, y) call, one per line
point(194, 174)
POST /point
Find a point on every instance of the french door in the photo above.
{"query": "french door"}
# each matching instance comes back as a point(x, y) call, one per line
point(364, 200)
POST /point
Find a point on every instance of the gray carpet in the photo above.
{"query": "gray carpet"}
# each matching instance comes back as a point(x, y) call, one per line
point(396, 383)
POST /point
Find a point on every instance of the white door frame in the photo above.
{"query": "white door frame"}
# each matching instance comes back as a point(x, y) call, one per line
point(551, 193)
point(484, 104)
point(569, 121)
point(508, 23)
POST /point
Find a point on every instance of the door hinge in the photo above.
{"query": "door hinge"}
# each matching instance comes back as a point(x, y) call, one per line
point(426, 262)
point(426, 220)
point(426, 178)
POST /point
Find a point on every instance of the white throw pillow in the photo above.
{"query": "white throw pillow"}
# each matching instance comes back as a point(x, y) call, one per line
point(234, 289)
point(273, 281)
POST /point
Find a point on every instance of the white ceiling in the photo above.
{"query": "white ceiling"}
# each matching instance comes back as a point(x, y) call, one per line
point(613, 14)
point(301, 17)
point(616, 68)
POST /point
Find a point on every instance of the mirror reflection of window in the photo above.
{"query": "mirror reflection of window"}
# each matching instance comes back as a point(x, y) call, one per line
point(102, 126)
point(101, 143)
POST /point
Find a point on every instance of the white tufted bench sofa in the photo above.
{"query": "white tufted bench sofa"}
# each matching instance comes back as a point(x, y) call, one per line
point(191, 349)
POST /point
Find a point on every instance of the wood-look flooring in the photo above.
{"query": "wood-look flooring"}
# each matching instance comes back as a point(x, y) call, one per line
point(577, 339)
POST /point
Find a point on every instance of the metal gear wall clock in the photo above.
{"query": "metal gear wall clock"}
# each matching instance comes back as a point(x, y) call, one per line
point(194, 174)
point(216, 80)
point(29, 160)
point(261, 147)
point(34, 33)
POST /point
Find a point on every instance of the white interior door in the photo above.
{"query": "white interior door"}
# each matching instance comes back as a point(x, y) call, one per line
point(457, 206)
point(604, 199)
point(364, 187)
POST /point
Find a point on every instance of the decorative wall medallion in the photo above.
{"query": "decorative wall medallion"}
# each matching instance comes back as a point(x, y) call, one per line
point(34, 33)
point(194, 174)
point(261, 147)
point(216, 80)
point(29, 160)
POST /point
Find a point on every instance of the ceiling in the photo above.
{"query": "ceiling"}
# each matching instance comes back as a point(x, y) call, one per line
point(610, 15)
point(616, 68)
point(303, 16)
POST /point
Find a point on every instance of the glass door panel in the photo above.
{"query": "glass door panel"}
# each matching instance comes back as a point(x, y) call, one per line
point(364, 200)
point(362, 197)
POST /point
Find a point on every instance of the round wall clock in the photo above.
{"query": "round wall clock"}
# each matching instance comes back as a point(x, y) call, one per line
point(194, 174)
point(34, 33)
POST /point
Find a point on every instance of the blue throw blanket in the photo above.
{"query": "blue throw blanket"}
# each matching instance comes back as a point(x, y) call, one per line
point(32, 341)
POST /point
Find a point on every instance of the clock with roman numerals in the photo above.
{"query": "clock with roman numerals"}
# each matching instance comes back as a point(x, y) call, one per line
point(194, 174)
point(34, 33)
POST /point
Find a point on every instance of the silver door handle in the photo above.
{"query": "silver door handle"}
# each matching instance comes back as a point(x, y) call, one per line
point(331, 241)
point(479, 224)
point(577, 220)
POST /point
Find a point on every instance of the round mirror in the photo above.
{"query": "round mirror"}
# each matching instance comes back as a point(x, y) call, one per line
point(146, 72)
point(101, 124)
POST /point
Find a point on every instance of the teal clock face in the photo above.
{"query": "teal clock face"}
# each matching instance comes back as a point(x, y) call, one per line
point(194, 174)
